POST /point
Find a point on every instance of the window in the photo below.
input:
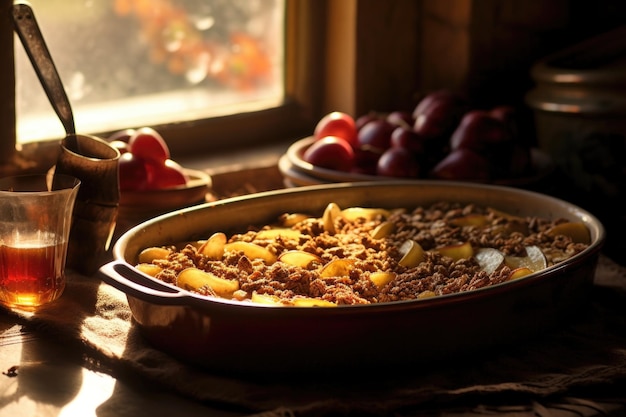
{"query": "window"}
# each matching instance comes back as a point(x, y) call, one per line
point(202, 133)
point(147, 62)
point(346, 55)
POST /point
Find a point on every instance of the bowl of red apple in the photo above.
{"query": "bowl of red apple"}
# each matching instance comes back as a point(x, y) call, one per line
point(444, 137)
point(151, 182)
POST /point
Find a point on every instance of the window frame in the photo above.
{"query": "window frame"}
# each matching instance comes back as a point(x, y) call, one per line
point(304, 38)
point(339, 55)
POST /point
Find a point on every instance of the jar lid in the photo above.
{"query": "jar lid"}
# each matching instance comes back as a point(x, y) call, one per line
point(587, 78)
point(599, 61)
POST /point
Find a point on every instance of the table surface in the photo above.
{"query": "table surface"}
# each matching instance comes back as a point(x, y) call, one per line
point(43, 377)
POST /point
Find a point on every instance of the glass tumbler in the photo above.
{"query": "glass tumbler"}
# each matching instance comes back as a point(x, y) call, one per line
point(35, 222)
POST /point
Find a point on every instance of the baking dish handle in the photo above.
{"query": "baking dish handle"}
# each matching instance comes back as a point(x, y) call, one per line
point(126, 279)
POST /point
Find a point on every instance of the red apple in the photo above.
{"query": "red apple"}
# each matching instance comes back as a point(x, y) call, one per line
point(365, 119)
point(337, 124)
point(376, 135)
point(430, 99)
point(480, 131)
point(518, 123)
point(365, 161)
point(407, 138)
point(438, 114)
point(488, 136)
point(148, 144)
point(401, 118)
point(133, 173)
point(397, 162)
point(330, 152)
point(462, 164)
point(165, 175)
point(504, 112)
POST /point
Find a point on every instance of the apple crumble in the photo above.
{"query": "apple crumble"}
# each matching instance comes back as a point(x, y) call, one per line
point(361, 255)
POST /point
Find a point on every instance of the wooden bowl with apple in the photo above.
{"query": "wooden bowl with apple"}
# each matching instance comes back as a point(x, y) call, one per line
point(151, 183)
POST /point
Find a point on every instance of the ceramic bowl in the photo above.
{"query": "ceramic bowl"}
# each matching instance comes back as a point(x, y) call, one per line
point(237, 337)
point(294, 164)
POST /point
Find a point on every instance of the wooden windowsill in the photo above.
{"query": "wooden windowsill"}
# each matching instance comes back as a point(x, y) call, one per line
point(242, 172)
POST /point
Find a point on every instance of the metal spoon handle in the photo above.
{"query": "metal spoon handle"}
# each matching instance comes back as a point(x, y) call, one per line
point(36, 49)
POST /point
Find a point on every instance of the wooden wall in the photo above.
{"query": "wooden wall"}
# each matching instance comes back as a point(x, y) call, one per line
point(402, 48)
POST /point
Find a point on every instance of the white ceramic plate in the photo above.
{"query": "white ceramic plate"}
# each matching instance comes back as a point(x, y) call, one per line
point(294, 177)
point(542, 166)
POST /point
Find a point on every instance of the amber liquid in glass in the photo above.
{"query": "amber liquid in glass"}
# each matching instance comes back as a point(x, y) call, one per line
point(31, 274)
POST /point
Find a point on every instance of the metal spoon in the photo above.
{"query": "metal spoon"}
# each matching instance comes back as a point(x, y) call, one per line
point(36, 49)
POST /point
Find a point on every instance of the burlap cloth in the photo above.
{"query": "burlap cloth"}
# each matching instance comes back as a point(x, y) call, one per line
point(588, 352)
